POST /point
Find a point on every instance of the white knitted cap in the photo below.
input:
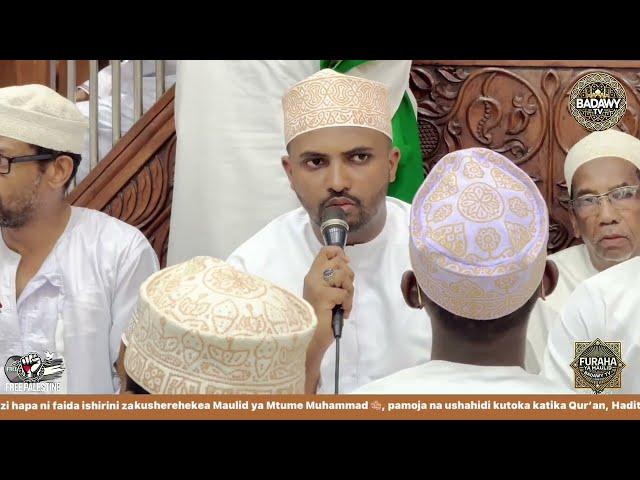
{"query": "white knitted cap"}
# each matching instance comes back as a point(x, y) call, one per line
point(37, 115)
point(607, 143)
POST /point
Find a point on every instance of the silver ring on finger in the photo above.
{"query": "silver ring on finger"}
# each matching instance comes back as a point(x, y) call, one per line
point(328, 275)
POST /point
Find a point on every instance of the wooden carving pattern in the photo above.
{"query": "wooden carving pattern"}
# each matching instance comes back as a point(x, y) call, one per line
point(518, 109)
point(134, 182)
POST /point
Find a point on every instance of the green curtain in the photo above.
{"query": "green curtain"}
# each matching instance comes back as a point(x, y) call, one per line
point(406, 138)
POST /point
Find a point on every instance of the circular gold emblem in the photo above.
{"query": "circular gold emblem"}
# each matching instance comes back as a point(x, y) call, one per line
point(597, 101)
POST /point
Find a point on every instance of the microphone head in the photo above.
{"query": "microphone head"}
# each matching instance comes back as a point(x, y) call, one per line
point(334, 227)
point(334, 213)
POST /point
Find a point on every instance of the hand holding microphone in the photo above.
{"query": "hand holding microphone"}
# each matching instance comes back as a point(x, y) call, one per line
point(329, 283)
point(328, 287)
point(334, 230)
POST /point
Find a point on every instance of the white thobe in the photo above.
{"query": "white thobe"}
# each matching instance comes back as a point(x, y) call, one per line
point(382, 334)
point(79, 302)
point(574, 267)
point(442, 377)
point(606, 306)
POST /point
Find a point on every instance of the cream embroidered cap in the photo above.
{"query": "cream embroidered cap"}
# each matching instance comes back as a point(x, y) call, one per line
point(479, 230)
point(331, 99)
point(205, 327)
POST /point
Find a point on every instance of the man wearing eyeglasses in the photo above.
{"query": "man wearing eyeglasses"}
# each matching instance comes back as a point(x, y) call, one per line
point(602, 173)
point(69, 277)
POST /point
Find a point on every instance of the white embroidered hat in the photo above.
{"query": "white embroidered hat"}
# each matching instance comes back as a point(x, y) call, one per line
point(204, 327)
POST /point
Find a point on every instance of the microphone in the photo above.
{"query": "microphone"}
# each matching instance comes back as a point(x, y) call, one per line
point(334, 229)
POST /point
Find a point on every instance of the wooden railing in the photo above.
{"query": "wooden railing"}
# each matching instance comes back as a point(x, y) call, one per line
point(134, 182)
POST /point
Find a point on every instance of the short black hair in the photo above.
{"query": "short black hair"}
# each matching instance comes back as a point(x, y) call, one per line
point(76, 157)
point(133, 387)
point(485, 330)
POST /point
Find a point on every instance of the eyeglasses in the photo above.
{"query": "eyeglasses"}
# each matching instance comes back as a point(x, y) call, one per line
point(5, 162)
point(621, 198)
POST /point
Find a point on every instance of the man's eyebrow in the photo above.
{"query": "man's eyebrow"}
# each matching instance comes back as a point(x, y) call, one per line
point(310, 153)
point(353, 151)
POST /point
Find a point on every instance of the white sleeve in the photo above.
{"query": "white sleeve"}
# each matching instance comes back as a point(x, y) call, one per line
point(581, 321)
point(105, 85)
point(105, 82)
point(237, 261)
point(84, 87)
point(136, 265)
point(393, 73)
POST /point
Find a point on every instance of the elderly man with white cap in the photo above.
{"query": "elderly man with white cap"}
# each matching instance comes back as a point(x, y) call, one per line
point(204, 327)
point(602, 173)
point(69, 277)
point(479, 230)
point(338, 136)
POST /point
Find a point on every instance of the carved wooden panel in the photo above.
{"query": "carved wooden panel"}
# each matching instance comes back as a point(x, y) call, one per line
point(517, 108)
point(134, 182)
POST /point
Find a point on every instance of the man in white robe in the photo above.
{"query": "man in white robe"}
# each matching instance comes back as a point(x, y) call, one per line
point(338, 137)
point(230, 140)
point(599, 163)
point(479, 230)
point(69, 277)
point(605, 307)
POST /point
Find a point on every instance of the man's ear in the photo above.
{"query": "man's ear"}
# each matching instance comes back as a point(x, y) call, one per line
point(288, 168)
point(394, 161)
point(59, 171)
point(411, 290)
point(549, 278)
point(574, 224)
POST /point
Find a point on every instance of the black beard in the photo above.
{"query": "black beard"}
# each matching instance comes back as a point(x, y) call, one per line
point(18, 219)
